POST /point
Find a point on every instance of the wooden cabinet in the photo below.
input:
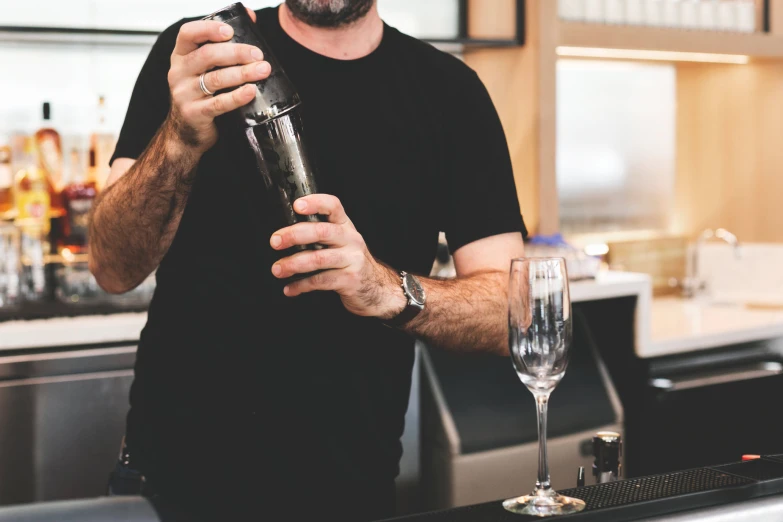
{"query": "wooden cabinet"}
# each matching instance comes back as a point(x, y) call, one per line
point(729, 117)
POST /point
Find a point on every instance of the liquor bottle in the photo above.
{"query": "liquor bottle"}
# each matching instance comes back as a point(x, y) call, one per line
point(653, 13)
point(78, 197)
point(33, 204)
point(689, 14)
point(746, 16)
point(50, 157)
point(634, 12)
point(6, 182)
point(102, 143)
point(728, 16)
point(571, 9)
point(671, 13)
point(708, 15)
point(614, 12)
point(32, 198)
point(10, 266)
point(594, 11)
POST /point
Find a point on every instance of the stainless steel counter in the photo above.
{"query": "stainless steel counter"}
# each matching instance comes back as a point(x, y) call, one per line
point(114, 509)
point(62, 417)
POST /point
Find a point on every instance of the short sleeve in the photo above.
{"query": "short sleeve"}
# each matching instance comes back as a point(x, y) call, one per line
point(150, 101)
point(481, 194)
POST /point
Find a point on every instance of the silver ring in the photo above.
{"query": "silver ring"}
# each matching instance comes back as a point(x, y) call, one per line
point(203, 85)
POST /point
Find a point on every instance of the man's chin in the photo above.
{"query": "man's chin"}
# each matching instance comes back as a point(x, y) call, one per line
point(329, 13)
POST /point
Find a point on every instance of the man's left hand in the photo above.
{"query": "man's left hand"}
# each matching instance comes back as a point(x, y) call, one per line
point(366, 286)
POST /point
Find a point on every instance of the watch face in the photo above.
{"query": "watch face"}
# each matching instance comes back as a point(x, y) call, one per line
point(414, 289)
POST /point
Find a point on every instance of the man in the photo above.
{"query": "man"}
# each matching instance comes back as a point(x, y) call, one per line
point(255, 398)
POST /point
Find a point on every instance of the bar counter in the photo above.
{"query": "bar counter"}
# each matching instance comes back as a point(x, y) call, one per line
point(48, 324)
point(768, 509)
point(751, 490)
point(714, 491)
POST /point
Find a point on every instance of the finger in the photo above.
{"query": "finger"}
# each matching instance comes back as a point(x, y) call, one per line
point(233, 76)
point(310, 261)
point(251, 13)
point(325, 204)
point(328, 280)
point(193, 34)
point(308, 233)
point(223, 54)
point(226, 102)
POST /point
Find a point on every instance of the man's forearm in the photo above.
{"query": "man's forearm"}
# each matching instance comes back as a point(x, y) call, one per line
point(466, 314)
point(134, 221)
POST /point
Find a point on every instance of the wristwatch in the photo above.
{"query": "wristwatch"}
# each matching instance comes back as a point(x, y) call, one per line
point(416, 296)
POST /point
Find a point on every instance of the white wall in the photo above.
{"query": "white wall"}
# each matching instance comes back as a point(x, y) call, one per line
point(152, 15)
point(421, 18)
point(71, 76)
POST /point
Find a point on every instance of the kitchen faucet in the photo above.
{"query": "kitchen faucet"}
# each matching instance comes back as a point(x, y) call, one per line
point(693, 284)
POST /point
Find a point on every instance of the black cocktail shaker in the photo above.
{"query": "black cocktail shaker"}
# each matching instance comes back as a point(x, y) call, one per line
point(273, 125)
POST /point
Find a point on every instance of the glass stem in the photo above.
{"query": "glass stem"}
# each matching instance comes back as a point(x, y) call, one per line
point(542, 402)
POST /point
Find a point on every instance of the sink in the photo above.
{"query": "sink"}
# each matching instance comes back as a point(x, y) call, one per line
point(752, 280)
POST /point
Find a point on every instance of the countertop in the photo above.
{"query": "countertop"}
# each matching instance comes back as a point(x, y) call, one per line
point(122, 327)
point(607, 285)
point(671, 325)
point(664, 326)
point(683, 325)
point(71, 331)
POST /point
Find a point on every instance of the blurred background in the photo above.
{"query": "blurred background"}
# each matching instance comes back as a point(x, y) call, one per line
point(646, 142)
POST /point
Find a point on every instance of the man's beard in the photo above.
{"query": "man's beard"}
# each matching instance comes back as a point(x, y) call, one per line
point(329, 13)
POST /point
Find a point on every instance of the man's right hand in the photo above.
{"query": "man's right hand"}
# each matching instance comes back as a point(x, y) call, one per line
point(201, 46)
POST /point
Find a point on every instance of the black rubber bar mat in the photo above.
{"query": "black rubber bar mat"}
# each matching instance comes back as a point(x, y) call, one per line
point(760, 469)
point(643, 497)
point(776, 458)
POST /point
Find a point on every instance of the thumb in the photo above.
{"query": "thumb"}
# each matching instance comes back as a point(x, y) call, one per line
point(251, 13)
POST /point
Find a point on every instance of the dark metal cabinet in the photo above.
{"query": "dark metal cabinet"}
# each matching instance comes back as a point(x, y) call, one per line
point(691, 409)
point(711, 407)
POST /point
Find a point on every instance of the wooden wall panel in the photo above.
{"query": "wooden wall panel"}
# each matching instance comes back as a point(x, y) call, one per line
point(776, 17)
point(492, 18)
point(729, 126)
point(730, 150)
point(549, 211)
point(521, 82)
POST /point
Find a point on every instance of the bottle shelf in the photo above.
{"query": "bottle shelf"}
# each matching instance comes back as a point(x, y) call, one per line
point(626, 37)
point(88, 35)
point(76, 36)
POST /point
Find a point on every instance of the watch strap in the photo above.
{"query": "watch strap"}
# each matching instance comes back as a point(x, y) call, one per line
point(410, 311)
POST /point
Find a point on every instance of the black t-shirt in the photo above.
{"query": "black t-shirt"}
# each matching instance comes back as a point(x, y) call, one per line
point(242, 393)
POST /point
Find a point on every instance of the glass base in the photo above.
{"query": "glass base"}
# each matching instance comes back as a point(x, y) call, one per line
point(544, 503)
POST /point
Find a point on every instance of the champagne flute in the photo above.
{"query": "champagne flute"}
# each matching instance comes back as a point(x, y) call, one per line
point(539, 336)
